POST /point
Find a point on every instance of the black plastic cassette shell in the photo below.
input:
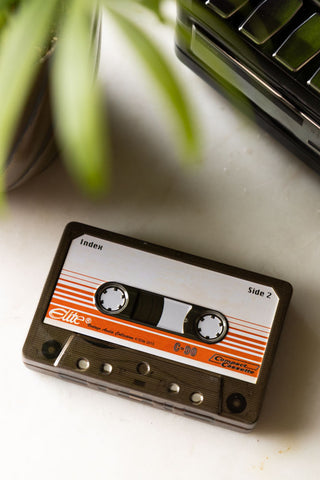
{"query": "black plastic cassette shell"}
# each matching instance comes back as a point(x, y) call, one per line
point(153, 388)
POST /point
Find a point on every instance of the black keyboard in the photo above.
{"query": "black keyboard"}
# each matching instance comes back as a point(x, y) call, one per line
point(266, 56)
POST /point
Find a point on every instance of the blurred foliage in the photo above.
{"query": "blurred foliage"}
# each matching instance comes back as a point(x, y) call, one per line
point(29, 29)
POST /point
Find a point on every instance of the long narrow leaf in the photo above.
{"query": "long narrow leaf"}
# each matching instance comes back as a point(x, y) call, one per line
point(78, 108)
point(7, 3)
point(162, 75)
point(20, 49)
point(154, 6)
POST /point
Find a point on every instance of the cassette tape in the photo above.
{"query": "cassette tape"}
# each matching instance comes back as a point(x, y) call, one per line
point(150, 323)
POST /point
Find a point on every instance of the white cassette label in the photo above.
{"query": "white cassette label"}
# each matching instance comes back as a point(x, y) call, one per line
point(249, 307)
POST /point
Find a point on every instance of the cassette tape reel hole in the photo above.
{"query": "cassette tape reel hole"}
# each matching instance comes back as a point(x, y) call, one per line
point(51, 349)
point(212, 327)
point(112, 298)
point(236, 403)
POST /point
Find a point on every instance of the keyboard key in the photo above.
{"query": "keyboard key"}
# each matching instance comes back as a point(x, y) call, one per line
point(226, 8)
point(302, 45)
point(315, 81)
point(269, 18)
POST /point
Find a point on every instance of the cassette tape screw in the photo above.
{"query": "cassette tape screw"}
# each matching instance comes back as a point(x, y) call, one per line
point(196, 398)
point(107, 368)
point(174, 388)
point(83, 364)
point(143, 368)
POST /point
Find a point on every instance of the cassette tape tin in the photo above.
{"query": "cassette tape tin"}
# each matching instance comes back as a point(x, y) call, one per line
point(174, 330)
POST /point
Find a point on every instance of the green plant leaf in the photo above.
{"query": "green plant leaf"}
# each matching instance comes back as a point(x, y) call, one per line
point(163, 76)
point(78, 107)
point(7, 3)
point(21, 48)
point(154, 6)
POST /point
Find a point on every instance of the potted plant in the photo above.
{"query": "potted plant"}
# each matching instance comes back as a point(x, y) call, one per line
point(47, 63)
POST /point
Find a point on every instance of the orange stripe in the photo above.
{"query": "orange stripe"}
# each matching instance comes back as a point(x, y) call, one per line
point(76, 278)
point(74, 289)
point(159, 342)
point(130, 329)
point(251, 333)
point(252, 323)
point(230, 338)
point(239, 344)
point(237, 337)
point(233, 351)
point(82, 275)
point(67, 295)
point(234, 318)
point(252, 329)
point(258, 343)
point(75, 283)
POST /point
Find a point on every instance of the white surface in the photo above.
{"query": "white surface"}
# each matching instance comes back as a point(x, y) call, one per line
point(250, 204)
